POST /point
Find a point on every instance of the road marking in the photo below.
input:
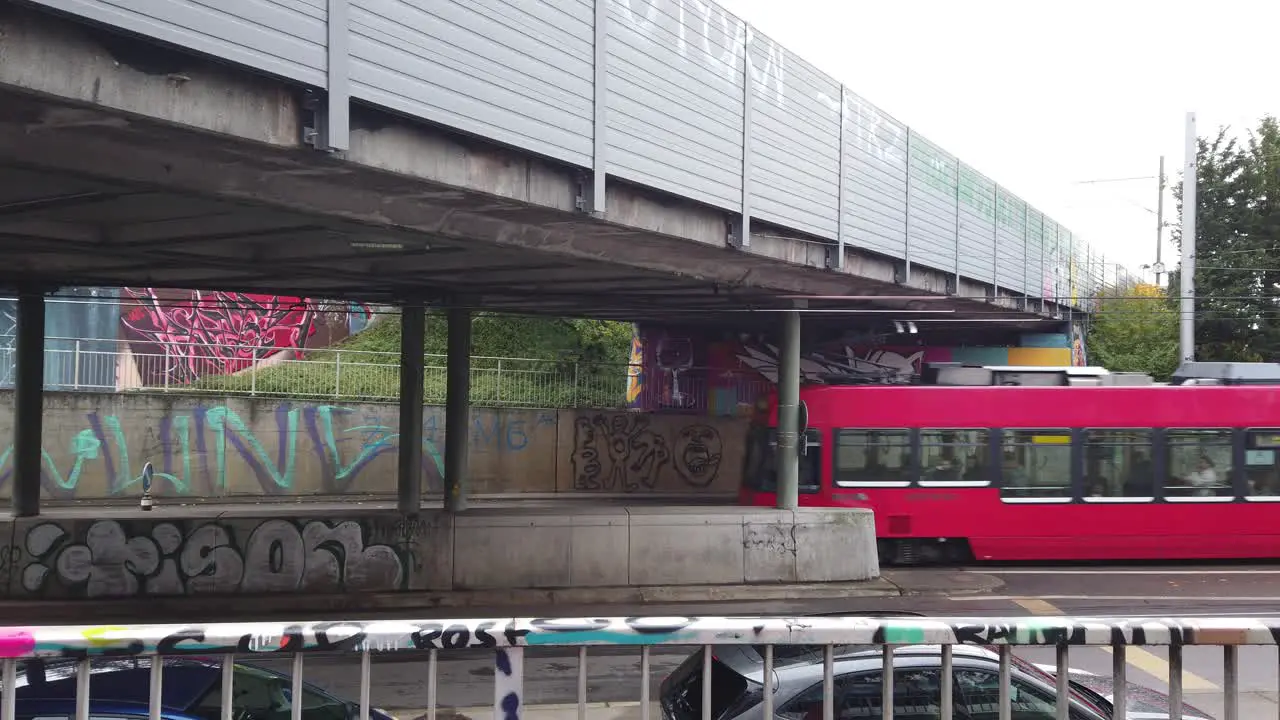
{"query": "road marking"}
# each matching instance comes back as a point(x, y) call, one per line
point(1211, 572)
point(1137, 656)
point(1127, 598)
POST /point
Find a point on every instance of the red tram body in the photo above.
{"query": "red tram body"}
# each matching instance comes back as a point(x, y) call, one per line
point(1042, 473)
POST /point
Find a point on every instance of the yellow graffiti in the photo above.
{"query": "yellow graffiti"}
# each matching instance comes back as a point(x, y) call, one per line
point(96, 636)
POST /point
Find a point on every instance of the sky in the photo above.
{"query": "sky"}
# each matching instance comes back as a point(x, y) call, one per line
point(1041, 96)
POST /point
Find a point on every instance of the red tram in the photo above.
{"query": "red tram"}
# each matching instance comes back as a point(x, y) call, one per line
point(1055, 473)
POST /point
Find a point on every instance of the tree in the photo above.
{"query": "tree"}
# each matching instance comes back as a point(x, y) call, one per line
point(1237, 245)
point(1136, 332)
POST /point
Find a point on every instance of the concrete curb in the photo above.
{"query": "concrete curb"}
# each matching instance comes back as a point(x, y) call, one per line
point(499, 602)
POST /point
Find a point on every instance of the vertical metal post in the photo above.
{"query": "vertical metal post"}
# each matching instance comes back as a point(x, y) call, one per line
point(748, 117)
point(1006, 682)
point(457, 409)
point(1175, 682)
point(599, 141)
point(947, 685)
point(906, 216)
point(706, 683)
point(840, 187)
point(337, 122)
point(155, 699)
point(337, 371)
point(75, 372)
point(433, 682)
point(1119, 683)
point(8, 700)
point(828, 683)
point(1026, 255)
point(1187, 273)
point(366, 683)
point(886, 682)
point(1159, 266)
point(84, 672)
point(582, 682)
point(644, 681)
point(768, 683)
point(788, 458)
point(508, 683)
point(958, 204)
point(1231, 682)
point(28, 429)
point(295, 685)
point(995, 241)
point(1063, 706)
point(228, 687)
point(413, 331)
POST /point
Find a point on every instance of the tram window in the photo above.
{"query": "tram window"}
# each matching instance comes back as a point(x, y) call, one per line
point(954, 456)
point(873, 458)
point(761, 465)
point(1262, 464)
point(1036, 464)
point(1198, 464)
point(1118, 464)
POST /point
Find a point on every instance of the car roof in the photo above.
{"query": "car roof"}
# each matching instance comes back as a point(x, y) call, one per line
point(129, 681)
point(67, 708)
point(868, 657)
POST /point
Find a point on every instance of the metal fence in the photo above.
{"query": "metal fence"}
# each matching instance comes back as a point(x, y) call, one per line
point(907, 668)
point(118, 366)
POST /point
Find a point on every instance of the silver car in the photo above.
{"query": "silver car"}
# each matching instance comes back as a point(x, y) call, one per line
point(737, 673)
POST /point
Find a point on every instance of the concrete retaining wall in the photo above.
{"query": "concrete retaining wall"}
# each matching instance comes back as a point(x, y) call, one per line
point(311, 549)
point(95, 445)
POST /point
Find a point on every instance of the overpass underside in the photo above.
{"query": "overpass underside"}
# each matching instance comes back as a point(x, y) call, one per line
point(125, 163)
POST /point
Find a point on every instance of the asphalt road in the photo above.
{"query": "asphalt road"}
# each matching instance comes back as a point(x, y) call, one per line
point(465, 679)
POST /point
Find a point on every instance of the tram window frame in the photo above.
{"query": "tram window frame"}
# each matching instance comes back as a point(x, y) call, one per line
point(1068, 492)
point(1227, 483)
point(982, 444)
point(767, 482)
point(909, 468)
point(1087, 442)
point(1248, 435)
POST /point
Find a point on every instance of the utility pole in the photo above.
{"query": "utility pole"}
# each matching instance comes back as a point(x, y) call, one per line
point(1158, 268)
point(1187, 324)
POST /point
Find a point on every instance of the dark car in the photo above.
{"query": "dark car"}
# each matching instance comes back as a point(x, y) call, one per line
point(119, 689)
point(737, 673)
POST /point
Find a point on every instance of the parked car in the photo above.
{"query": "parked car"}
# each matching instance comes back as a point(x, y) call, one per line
point(737, 673)
point(119, 689)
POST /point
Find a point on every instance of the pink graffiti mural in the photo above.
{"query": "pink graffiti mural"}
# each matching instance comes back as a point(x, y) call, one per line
point(208, 333)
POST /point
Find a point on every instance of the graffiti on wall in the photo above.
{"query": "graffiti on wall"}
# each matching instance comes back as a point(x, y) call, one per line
point(180, 336)
point(627, 452)
point(355, 636)
point(725, 375)
point(95, 446)
point(114, 559)
point(211, 333)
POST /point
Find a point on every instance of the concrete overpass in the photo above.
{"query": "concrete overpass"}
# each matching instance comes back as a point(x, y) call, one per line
point(616, 159)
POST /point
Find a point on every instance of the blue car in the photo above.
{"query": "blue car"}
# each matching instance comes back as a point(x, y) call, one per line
point(119, 689)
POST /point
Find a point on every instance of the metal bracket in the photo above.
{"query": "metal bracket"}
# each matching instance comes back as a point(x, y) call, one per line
point(953, 285)
point(315, 125)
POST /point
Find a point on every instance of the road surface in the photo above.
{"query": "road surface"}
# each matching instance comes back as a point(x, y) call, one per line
point(465, 679)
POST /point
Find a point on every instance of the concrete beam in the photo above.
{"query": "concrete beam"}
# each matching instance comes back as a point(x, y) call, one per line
point(123, 122)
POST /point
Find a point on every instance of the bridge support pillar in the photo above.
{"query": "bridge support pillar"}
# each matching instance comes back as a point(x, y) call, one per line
point(457, 410)
point(413, 331)
point(28, 413)
point(789, 429)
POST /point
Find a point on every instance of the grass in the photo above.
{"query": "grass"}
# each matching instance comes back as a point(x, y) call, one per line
point(365, 367)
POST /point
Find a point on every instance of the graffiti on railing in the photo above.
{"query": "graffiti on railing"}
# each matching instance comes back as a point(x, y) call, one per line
point(109, 558)
point(457, 634)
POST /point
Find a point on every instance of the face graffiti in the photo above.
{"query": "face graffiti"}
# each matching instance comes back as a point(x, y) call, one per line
point(495, 633)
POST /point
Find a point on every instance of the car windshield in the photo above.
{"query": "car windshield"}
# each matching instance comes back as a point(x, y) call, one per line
point(263, 695)
point(1079, 693)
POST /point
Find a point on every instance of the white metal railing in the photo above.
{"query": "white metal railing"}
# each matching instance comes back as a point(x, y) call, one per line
point(117, 366)
point(938, 665)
